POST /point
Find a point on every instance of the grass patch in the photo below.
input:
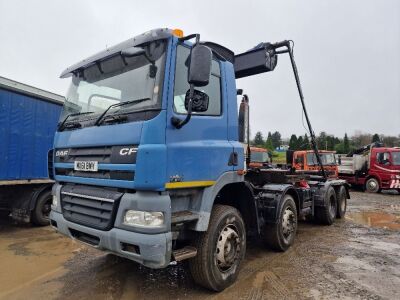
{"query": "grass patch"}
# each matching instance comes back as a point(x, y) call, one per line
point(279, 157)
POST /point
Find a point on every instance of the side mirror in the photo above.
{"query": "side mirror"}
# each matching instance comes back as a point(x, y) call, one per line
point(199, 101)
point(200, 66)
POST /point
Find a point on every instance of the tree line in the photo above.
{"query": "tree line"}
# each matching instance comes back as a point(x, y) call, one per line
point(324, 141)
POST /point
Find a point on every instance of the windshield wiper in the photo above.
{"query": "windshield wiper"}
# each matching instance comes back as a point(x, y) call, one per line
point(62, 126)
point(101, 117)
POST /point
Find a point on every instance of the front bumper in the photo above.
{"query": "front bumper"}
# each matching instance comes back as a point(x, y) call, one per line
point(154, 249)
point(150, 247)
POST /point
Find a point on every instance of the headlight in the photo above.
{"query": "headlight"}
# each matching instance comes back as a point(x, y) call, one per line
point(54, 202)
point(144, 218)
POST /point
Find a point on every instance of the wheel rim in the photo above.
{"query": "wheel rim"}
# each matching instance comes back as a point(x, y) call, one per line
point(228, 248)
point(288, 223)
point(46, 209)
point(372, 185)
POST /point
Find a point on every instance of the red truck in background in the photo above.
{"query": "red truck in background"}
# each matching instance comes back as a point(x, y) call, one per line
point(373, 167)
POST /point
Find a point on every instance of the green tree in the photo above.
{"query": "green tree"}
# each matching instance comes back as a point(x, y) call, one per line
point(258, 139)
point(330, 142)
point(276, 139)
point(346, 144)
point(300, 143)
point(375, 138)
point(268, 143)
point(339, 148)
point(293, 145)
point(306, 143)
point(322, 141)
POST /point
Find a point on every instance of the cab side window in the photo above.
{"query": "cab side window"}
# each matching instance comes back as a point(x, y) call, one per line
point(383, 158)
point(181, 86)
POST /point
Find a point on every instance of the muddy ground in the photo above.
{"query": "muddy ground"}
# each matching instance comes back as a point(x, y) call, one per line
point(356, 258)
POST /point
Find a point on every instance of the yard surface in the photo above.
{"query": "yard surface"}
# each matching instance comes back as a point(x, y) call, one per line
point(356, 258)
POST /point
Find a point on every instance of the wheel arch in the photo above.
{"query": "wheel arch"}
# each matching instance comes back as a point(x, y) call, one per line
point(37, 193)
point(241, 196)
point(292, 192)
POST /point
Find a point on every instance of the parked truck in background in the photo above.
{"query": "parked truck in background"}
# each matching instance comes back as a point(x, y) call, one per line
point(373, 167)
point(28, 121)
point(150, 162)
point(259, 157)
point(306, 160)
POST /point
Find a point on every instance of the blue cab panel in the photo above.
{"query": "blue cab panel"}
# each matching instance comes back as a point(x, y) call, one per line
point(27, 127)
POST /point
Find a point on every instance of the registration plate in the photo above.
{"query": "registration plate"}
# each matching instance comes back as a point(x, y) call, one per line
point(88, 166)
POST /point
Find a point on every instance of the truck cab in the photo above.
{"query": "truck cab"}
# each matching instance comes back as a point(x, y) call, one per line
point(305, 160)
point(259, 157)
point(384, 165)
point(125, 179)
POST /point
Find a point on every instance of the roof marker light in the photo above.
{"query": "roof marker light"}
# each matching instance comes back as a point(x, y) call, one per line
point(177, 32)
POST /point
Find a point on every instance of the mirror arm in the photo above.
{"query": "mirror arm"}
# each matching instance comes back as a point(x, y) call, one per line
point(178, 123)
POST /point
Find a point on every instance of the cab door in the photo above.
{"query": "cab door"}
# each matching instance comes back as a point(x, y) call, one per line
point(383, 167)
point(200, 150)
point(299, 160)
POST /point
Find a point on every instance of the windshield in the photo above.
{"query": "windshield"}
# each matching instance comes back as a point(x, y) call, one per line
point(396, 158)
point(117, 79)
point(326, 159)
point(259, 156)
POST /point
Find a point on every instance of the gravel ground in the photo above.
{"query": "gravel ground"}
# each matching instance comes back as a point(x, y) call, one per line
point(356, 258)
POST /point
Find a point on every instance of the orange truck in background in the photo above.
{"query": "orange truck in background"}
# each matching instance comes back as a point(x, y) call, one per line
point(305, 160)
point(259, 157)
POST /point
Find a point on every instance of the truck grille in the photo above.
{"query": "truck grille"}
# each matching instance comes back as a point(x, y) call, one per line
point(103, 155)
point(90, 206)
point(100, 154)
point(101, 174)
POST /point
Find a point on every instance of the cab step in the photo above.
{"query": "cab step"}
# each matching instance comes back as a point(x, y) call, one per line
point(184, 253)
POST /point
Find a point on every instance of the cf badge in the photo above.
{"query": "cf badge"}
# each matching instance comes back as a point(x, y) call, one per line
point(127, 151)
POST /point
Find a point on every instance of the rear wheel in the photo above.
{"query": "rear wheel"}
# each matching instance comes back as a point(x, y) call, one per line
point(341, 203)
point(326, 214)
point(220, 249)
point(280, 236)
point(41, 212)
point(372, 185)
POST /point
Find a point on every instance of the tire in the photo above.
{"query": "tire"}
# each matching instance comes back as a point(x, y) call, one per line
point(372, 185)
point(341, 203)
point(226, 230)
point(326, 214)
point(40, 214)
point(280, 236)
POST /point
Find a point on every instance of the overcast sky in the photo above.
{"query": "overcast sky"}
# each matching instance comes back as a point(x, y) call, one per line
point(347, 52)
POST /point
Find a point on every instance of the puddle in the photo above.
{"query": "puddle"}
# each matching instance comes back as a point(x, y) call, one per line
point(375, 219)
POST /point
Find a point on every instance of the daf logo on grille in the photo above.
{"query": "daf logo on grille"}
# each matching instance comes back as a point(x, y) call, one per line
point(127, 151)
point(61, 152)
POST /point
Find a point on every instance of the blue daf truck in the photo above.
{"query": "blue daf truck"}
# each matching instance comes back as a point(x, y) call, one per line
point(28, 121)
point(151, 158)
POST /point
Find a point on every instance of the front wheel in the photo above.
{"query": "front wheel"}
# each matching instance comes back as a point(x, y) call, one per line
point(220, 249)
point(280, 236)
point(372, 185)
point(41, 212)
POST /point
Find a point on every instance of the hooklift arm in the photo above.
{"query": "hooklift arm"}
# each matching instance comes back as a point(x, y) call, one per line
point(263, 58)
